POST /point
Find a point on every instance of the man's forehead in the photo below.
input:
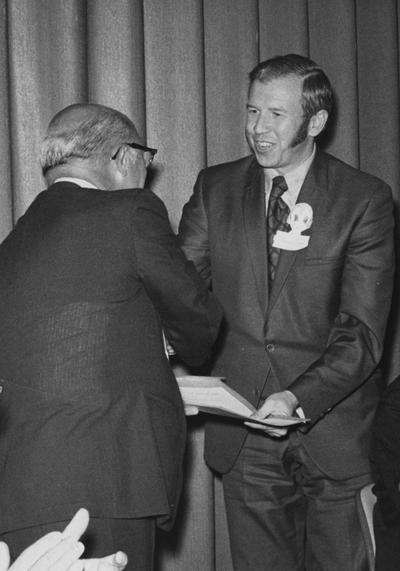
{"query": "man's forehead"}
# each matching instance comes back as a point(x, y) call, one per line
point(285, 88)
point(287, 81)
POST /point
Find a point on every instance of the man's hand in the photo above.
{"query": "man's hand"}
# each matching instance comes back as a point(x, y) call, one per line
point(75, 528)
point(58, 551)
point(191, 410)
point(115, 562)
point(51, 552)
point(277, 404)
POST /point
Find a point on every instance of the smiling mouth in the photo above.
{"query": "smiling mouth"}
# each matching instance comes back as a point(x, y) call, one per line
point(263, 146)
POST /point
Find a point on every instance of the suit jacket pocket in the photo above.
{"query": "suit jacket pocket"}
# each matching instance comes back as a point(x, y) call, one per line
point(331, 260)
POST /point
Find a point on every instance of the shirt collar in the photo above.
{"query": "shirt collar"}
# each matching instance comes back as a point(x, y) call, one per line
point(294, 179)
point(79, 181)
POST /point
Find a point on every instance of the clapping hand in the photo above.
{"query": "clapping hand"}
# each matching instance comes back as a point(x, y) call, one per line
point(58, 551)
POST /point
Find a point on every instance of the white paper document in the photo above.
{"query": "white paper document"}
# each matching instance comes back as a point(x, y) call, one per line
point(213, 396)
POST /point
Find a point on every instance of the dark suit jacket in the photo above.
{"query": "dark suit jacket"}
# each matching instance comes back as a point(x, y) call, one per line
point(90, 413)
point(320, 331)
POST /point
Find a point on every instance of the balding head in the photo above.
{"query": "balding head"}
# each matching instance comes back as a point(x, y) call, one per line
point(85, 132)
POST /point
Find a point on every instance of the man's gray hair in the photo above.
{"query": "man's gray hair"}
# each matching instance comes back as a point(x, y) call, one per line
point(85, 131)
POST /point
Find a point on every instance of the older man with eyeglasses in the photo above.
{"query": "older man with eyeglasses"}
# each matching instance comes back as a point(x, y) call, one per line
point(90, 278)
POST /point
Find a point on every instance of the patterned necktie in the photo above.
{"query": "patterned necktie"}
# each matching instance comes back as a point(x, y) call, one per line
point(277, 214)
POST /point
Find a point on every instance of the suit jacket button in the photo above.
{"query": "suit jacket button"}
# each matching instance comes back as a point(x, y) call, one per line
point(256, 392)
point(270, 347)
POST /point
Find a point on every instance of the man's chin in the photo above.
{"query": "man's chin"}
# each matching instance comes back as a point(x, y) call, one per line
point(265, 161)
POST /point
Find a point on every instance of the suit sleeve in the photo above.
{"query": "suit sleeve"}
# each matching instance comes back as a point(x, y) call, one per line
point(193, 232)
point(190, 315)
point(355, 343)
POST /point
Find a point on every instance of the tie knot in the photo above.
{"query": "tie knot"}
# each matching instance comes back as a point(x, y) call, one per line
point(279, 186)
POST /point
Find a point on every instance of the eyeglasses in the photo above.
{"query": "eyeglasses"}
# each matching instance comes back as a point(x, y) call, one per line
point(140, 148)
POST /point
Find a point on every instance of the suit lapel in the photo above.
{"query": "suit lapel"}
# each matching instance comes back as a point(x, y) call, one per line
point(313, 188)
point(255, 230)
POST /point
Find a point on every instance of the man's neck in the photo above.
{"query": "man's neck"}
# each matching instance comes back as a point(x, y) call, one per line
point(75, 180)
point(79, 172)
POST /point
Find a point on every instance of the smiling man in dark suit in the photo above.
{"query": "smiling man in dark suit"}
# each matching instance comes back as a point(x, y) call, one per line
point(298, 248)
point(90, 278)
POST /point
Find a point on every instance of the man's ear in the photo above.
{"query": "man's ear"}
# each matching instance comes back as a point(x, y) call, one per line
point(317, 122)
point(122, 161)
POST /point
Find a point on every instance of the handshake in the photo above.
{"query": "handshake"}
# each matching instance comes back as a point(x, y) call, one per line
point(61, 551)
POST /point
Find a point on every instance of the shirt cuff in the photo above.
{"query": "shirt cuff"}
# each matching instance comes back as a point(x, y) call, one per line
point(300, 412)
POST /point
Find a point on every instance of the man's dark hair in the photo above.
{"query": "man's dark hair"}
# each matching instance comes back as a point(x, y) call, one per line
point(317, 90)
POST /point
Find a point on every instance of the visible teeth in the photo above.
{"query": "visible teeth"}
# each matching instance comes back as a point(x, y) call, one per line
point(264, 145)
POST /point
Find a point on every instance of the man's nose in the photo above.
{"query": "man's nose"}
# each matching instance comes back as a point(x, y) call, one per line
point(263, 124)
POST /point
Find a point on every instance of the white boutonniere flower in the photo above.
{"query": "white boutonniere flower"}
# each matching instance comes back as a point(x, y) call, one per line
point(299, 219)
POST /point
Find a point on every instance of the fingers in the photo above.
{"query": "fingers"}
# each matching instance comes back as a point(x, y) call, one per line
point(61, 552)
point(120, 559)
point(55, 551)
point(35, 551)
point(115, 562)
point(277, 404)
point(59, 558)
point(277, 432)
point(191, 410)
point(4, 556)
point(270, 430)
point(271, 407)
point(77, 525)
point(51, 552)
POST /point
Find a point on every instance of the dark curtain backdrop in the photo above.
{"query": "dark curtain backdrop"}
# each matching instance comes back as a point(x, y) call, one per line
point(179, 69)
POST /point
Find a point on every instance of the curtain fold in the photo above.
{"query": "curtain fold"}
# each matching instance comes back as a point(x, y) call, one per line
point(179, 69)
point(175, 109)
point(378, 88)
point(230, 37)
point(47, 70)
point(6, 189)
point(280, 34)
point(338, 57)
point(115, 58)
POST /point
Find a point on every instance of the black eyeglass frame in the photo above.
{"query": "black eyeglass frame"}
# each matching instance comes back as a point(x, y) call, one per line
point(139, 147)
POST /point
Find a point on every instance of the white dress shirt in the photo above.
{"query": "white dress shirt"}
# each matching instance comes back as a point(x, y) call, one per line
point(294, 180)
point(79, 181)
